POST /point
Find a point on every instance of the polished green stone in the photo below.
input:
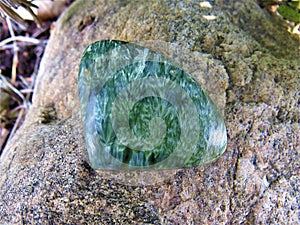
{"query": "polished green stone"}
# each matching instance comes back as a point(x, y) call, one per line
point(141, 111)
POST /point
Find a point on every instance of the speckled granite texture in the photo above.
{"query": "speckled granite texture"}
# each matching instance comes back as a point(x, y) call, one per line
point(45, 177)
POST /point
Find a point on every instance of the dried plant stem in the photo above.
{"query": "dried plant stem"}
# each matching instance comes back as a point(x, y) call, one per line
point(6, 85)
point(17, 123)
point(23, 107)
point(15, 49)
point(19, 38)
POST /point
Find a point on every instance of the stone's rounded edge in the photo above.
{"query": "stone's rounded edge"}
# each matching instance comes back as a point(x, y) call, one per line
point(86, 94)
point(217, 137)
point(98, 48)
point(105, 45)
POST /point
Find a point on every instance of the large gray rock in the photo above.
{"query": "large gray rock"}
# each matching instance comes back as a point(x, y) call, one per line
point(45, 177)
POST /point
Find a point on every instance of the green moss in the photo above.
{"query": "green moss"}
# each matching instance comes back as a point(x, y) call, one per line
point(289, 13)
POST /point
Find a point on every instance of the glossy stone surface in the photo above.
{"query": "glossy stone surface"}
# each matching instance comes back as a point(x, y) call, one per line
point(141, 111)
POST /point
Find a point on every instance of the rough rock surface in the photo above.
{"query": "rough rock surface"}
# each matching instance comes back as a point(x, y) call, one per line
point(45, 177)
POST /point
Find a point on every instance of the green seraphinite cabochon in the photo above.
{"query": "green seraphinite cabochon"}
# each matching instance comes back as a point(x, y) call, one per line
point(141, 111)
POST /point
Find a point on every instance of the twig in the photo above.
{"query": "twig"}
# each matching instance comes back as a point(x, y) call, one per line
point(23, 106)
point(17, 123)
point(26, 91)
point(15, 58)
point(19, 38)
point(6, 47)
point(4, 84)
point(9, 46)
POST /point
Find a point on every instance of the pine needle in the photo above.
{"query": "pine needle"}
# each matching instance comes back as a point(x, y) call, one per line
point(7, 10)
